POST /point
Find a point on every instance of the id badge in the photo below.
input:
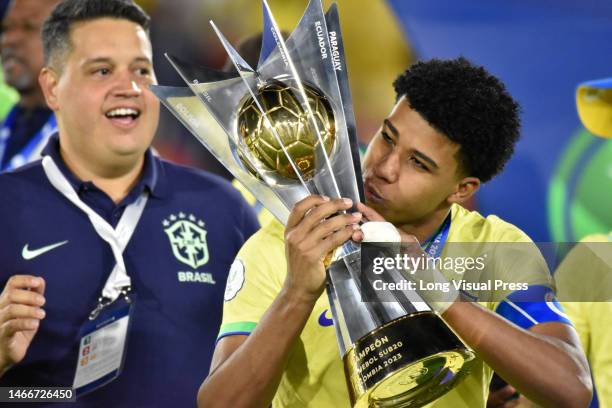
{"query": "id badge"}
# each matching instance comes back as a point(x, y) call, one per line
point(102, 346)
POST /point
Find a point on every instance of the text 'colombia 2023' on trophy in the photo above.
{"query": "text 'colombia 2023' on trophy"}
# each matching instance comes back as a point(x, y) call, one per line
point(285, 130)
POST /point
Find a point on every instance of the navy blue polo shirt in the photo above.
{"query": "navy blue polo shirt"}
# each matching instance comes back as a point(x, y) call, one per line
point(178, 259)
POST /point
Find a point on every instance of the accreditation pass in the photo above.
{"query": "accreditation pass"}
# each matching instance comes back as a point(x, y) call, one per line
point(102, 348)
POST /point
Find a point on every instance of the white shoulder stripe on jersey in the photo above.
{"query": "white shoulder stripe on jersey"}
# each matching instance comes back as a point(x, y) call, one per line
point(521, 311)
point(555, 309)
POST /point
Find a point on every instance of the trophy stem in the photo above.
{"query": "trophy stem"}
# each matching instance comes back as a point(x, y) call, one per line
point(352, 261)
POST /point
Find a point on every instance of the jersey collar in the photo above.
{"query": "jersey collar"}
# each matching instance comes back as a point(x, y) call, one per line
point(151, 178)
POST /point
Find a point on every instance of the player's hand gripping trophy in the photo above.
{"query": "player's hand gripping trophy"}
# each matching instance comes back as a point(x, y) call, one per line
point(286, 130)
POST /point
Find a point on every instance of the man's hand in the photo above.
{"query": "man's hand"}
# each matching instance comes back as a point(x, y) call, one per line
point(312, 232)
point(21, 310)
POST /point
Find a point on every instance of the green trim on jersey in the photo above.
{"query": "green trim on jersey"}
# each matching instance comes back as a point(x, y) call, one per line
point(236, 328)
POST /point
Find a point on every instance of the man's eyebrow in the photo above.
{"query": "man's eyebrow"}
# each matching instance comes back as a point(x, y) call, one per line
point(392, 128)
point(99, 60)
point(426, 158)
point(143, 59)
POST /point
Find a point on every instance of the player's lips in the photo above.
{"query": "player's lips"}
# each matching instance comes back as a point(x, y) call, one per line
point(372, 194)
point(125, 117)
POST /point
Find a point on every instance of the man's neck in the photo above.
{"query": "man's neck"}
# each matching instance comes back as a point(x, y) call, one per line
point(424, 229)
point(116, 182)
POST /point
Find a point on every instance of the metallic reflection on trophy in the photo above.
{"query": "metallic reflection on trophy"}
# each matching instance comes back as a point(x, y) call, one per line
point(285, 130)
point(292, 125)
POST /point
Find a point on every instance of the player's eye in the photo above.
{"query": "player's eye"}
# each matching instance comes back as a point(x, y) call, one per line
point(386, 137)
point(417, 163)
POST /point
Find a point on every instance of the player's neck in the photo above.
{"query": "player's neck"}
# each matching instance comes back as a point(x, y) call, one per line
point(424, 229)
point(116, 181)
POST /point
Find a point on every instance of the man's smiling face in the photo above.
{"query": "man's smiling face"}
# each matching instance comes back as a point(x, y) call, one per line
point(107, 113)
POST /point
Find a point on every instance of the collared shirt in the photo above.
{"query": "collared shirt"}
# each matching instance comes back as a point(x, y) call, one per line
point(178, 259)
point(97, 199)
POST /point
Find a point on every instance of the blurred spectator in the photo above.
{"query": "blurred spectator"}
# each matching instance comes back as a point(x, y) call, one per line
point(8, 97)
point(30, 122)
point(584, 278)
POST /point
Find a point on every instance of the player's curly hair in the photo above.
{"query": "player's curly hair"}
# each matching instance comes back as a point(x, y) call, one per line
point(469, 106)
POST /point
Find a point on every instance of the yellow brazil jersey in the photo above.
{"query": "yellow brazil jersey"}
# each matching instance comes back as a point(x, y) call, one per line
point(314, 375)
point(263, 215)
point(586, 274)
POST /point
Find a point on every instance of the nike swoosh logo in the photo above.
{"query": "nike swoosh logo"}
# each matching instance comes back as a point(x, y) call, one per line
point(324, 320)
point(28, 253)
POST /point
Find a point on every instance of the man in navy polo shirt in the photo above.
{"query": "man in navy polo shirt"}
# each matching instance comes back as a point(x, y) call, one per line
point(100, 219)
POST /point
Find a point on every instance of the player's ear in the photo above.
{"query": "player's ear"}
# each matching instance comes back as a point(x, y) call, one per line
point(466, 188)
point(48, 80)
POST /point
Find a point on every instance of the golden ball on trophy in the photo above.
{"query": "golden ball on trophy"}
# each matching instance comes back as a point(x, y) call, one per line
point(290, 122)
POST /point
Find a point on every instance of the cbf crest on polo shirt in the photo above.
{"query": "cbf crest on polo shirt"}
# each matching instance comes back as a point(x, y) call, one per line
point(187, 236)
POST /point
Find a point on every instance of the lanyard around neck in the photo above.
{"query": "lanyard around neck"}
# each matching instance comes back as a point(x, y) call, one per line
point(117, 238)
point(434, 246)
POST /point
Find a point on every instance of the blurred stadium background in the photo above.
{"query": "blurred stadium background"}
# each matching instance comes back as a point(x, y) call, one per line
point(557, 187)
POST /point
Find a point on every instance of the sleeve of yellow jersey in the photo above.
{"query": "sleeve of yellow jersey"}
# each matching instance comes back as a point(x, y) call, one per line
point(520, 265)
point(255, 279)
point(511, 259)
point(516, 260)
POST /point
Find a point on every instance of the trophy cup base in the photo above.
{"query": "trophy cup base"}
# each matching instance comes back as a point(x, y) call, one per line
point(397, 366)
point(418, 383)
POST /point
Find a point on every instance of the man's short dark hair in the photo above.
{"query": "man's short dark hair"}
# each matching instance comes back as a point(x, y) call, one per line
point(56, 29)
point(469, 106)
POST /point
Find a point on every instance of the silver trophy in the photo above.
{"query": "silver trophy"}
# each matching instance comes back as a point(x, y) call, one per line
point(286, 130)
